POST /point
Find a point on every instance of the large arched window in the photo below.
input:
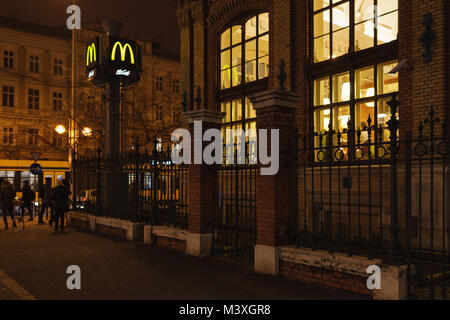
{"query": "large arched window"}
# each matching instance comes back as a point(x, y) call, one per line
point(244, 52)
point(244, 60)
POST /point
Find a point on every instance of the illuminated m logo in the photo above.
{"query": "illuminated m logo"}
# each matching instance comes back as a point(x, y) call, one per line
point(91, 54)
point(123, 51)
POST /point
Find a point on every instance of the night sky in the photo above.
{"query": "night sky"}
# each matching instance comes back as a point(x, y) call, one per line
point(143, 19)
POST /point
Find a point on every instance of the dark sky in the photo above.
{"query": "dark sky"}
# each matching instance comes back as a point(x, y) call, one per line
point(143, 19)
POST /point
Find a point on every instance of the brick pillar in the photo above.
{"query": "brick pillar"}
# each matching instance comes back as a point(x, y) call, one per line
point(201, 190)
point(276, 194)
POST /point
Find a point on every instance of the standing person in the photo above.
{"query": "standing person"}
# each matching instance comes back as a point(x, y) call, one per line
point(60, 199)
point(28, 197)
point(45, 194)
point(7, 196)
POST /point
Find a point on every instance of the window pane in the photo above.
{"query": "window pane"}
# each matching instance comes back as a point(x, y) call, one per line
point(319, 4)
point(385, 6)
point(225, 39)
point(321, 23)
point(237, 55)
point(225, 60)
point(364, 35)
point(263, 49)
point(384, 112)
point(362, 113)
point(322, 120)
point(387, 82)
point(387, 28)
point(250, 113)
point(263, 67)
point(263, 23)
point(341, 42)
point(236, 78)
point(250, 71)
point(250, 50)
point(322, 92)
point(237, 110)
point(364, 10)
point(226, 108)
point(364, 83)
point(341, 87)
point(322, 48)
point(236, 34)
point(341, 118)
point(250, 28)
point(341, 16)
point(226, 79)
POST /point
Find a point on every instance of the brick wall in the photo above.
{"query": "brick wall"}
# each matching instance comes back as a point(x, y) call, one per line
point(170, 243)
point(111, 231)
point(326, 277)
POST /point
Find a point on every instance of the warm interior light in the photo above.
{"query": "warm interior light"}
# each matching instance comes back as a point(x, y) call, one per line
point(345, 91)
point(60, 129)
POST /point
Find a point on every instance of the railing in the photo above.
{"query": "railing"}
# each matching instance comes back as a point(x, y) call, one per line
point(368, 192)
point(155, 192)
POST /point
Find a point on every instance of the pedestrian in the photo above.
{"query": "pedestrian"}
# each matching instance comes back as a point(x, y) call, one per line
point(60, 199)
point(28, 198)
point(7, 196)
point(45, 193)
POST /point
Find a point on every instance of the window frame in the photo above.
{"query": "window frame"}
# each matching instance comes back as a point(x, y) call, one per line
point(8, 95)
point(244, 88)
point(351, 50)
point(34, 99)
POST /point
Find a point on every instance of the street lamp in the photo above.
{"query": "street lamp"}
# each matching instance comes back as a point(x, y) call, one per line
point(60, 129)
point(87, 132)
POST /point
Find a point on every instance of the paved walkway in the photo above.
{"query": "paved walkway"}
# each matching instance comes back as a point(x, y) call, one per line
point(33, 264)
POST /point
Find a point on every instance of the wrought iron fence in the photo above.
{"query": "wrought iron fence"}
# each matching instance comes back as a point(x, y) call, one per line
point(235, 212)
point(155, 192)
point(369, 192)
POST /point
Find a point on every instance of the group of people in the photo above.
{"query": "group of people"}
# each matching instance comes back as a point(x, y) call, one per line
point(56, 199)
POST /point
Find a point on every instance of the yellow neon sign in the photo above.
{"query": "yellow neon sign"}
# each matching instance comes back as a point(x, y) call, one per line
point(123, 51)
point(91, 54)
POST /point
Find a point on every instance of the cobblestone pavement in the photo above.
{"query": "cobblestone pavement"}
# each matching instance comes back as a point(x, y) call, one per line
point(34, 261)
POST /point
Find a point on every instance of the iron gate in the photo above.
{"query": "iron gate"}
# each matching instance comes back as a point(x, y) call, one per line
point(235, 214)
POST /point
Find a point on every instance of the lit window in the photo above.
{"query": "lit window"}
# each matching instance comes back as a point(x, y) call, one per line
point(244, 52)
point(374, 23)
point(371, 95)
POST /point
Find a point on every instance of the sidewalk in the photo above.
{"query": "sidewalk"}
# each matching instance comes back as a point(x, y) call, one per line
point(36, 260)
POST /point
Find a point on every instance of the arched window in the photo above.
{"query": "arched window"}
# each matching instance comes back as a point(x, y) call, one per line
point(244, 52)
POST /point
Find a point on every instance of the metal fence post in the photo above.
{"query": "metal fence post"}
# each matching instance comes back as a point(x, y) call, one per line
point(393, 126)
point(98, 199)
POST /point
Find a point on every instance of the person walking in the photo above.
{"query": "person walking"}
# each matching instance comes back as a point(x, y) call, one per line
point(60, 199)
point(7, 196)
point(28, 197)
point(45, 193)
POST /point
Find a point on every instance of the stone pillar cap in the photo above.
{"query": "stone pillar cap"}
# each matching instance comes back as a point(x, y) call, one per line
point(204, 115)
point(275, 98)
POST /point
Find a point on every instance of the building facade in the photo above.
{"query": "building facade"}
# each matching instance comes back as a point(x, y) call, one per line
point(349, 84)
point(36, 91)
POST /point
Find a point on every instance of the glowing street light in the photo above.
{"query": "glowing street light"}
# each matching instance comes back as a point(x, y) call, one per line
point(60, 129)
point(87, 132)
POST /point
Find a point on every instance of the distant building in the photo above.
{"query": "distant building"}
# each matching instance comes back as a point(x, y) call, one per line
point(35, 85)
